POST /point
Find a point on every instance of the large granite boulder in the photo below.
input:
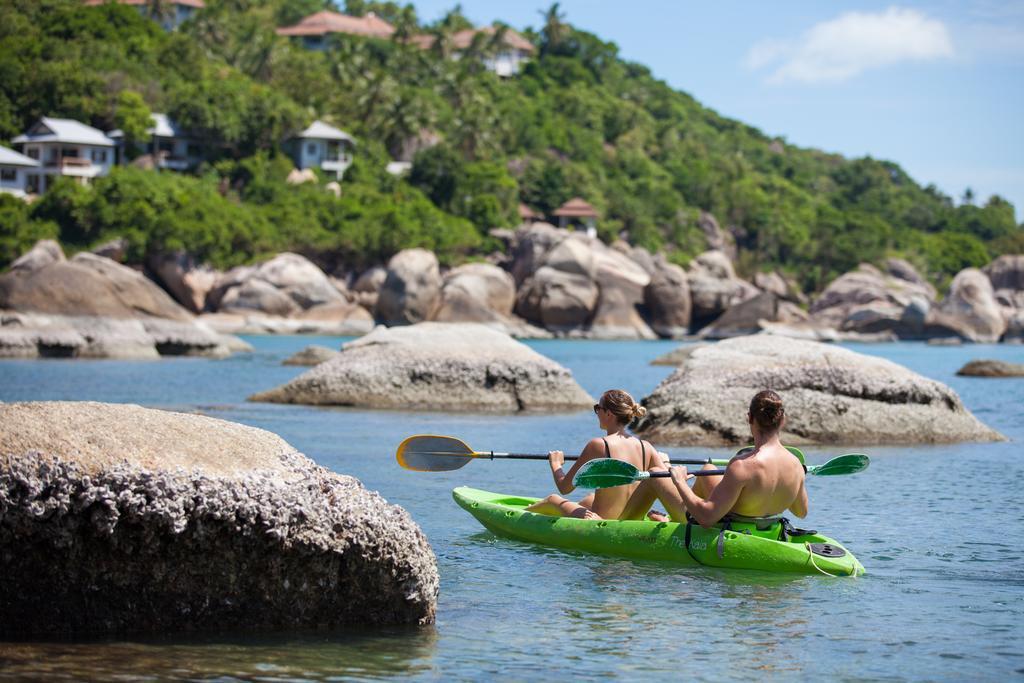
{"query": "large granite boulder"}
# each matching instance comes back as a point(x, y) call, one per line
point(531, 244)
point(34, 335)
point(412, 289)
point(283, 286)
point(752, 316)
point(92, 307)
point(1006, 272)
point(557, 300)
point(119, 519)
point(575, 285)
point(87, 284)
point(187, 281)
point(832, 396)
point(436, 366)
point(342, 317)
point(476, 292)
point(43, 253)
point(716, 238)
point(667, 299)
point(366, 288)
point(714, 288)
point(483, 293)
point(970, 310)
point(254, 294)
point(866, 300)
point(621, 283)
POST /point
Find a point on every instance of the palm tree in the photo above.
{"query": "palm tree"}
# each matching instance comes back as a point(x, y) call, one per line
point(555, 30)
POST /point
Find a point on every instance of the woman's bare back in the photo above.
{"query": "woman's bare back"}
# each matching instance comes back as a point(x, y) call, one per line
point(609, 503)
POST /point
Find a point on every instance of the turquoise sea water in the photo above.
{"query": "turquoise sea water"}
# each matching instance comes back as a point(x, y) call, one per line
point(940, 530)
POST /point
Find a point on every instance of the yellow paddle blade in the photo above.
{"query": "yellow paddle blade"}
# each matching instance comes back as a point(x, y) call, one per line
point(432, 453)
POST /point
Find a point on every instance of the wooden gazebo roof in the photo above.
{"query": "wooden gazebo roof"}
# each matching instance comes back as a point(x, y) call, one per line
point(576, 208)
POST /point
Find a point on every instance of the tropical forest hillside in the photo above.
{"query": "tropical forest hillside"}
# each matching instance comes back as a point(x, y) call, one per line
point(578, 121)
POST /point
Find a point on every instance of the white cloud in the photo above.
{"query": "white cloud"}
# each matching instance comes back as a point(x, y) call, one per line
point(844, 47)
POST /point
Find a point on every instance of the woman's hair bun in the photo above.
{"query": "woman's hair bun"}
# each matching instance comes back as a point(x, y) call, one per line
point(767, 410)
point(622, 406)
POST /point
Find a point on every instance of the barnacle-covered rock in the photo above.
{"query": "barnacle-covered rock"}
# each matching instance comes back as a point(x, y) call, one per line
point(116, 518)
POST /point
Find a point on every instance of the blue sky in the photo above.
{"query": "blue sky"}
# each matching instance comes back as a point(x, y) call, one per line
point(937, 87)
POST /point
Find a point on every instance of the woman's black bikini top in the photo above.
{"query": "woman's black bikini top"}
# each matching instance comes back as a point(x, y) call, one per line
point(643, 451)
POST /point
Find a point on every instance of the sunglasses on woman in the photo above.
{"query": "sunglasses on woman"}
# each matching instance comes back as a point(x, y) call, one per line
point(597, 406)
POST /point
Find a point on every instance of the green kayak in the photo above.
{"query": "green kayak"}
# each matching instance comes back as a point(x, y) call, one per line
point(736, 545)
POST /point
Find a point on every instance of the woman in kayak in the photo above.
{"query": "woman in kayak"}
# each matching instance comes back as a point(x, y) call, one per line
point(760, 482)
point(615, 411)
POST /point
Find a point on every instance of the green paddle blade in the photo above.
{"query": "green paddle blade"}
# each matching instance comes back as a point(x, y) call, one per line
point(429, 453)
point(605, 473)
point(851, 463)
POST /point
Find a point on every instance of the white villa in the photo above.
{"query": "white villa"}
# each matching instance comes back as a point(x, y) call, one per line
point(14, 170)
point(322, 146)
point(315, 29)
point(177, 11)
point(169, 145)
point(506, 62)
point(64, 147)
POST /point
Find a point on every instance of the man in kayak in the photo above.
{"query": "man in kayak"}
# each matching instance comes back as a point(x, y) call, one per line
point(615, 412)
point(760, 482)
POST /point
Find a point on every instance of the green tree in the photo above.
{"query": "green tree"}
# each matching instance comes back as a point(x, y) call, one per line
point(133, 118)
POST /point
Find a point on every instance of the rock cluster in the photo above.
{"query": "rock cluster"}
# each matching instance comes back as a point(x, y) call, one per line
point(435, 366)
point(116, 518)
point(832, 396)
point(288, 293)
point(555, 282)
point(92, 307)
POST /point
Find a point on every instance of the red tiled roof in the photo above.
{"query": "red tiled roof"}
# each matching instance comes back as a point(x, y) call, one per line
point(198, 4)
point(576, 208)
point(526, 212)
point(461, 40)
point(325, 22)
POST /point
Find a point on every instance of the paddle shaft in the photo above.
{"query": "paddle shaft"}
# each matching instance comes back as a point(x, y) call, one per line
point(538, 456)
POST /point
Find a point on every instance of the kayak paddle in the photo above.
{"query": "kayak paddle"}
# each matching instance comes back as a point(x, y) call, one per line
point(606, 472)
point(431, 453)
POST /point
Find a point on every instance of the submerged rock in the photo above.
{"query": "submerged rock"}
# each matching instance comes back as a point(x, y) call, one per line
point(314, 354)
point(116, 518)
point(991, 368)
point(436, 366)
point(832, 396)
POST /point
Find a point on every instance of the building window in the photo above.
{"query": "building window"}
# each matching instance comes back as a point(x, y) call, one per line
point(311, 148)
point(99, 156)
point(33, 153)
point(8, 175)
